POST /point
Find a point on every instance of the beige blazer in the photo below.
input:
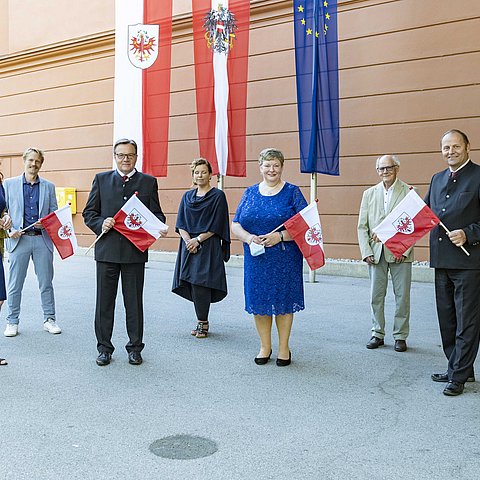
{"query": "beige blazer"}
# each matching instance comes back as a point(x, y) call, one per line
point(372, 212)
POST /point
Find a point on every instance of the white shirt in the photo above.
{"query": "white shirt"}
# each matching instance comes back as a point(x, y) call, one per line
point(129, 175)
point(387, 195)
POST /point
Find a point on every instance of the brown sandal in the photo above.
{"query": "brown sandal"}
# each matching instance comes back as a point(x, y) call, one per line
point(201, 330)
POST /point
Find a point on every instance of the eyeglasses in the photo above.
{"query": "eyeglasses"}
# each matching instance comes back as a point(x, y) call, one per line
point(388, 169)
point(122, 156)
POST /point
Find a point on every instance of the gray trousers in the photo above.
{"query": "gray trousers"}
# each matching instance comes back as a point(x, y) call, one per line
point(401, 274)
point(30, 247)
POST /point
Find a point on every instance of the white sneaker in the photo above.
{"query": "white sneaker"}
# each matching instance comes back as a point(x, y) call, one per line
point(51, 326)
point(11, 330)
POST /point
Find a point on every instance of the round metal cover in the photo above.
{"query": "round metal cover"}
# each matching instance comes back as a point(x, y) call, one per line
point(183, 447)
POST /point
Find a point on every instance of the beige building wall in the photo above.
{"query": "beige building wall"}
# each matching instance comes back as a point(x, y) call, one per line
point(408, 71)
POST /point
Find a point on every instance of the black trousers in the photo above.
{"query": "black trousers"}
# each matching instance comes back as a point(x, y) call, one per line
point(458, 308)
point(133, 275)
point(202, 298)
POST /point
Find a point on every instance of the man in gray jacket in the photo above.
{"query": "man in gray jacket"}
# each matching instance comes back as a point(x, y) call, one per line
point(377, 202)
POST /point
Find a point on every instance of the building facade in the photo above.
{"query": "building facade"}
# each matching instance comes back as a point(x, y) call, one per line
point(408, 71)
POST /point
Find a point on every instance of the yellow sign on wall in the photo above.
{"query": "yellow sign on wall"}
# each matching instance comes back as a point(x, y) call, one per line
point(66, 195)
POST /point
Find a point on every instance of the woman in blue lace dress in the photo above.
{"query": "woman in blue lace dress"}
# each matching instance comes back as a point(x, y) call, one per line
point(273, 280)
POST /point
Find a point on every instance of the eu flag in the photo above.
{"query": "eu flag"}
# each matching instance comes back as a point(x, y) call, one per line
point(316, 58)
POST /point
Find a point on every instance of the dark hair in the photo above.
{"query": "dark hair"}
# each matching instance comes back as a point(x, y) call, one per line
point(200, 161)
point(459, 132)
point(33, 150)
point(125, 141)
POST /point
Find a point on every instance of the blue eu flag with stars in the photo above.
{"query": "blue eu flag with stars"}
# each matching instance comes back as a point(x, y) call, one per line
point(316, 59)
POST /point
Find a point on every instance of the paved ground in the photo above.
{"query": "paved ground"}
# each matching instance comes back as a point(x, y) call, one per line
point(339, 411)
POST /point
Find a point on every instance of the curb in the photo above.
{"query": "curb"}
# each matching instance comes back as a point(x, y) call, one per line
point(333, 267)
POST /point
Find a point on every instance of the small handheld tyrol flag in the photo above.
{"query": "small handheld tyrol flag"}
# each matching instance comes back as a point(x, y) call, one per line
point(59, 226)
point(138, 224)
point(407, 223)
point(306, 230)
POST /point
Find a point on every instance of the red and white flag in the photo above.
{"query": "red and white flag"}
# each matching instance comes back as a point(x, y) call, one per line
point(137, 223)
point(306, 230)
point(220, 36)
point(59, 226)
point(407, 223)
point(143, 40)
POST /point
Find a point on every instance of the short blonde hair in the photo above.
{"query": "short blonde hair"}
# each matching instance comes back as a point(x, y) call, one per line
point(271, 154)
point(30, 150)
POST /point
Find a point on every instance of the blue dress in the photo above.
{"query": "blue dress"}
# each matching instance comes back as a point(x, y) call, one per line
point(273, 282)
point(3, 293)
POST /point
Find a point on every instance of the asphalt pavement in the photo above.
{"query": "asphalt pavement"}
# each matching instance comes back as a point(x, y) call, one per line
point(339, 411)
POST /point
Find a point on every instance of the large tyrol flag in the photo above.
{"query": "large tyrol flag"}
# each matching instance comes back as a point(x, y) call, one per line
point(220, 35)
point(407, 223)
point(306, 231)
point(138, 224)
point(316, 59)
point(59, 226)
point(143, 39)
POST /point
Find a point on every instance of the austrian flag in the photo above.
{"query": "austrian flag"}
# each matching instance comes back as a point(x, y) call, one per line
point(407, 223)
point(306, 231)
point(138, 224)
point(59, 227)
point(220, 42)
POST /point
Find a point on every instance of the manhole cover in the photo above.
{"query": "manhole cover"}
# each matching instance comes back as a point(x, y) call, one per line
point(183, 447)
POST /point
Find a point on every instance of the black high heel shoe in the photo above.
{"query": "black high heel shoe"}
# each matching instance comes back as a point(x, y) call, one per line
point(284, 363)
point(262, 360)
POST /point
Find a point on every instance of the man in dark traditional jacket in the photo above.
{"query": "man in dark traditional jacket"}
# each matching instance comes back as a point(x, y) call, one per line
point(115, 254)
point(454, 196)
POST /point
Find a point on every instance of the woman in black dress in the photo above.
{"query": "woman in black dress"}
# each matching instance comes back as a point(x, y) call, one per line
point(203, 225)
point(3, 293)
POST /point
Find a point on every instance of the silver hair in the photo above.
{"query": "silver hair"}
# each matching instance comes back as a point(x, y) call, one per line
point(395, 159)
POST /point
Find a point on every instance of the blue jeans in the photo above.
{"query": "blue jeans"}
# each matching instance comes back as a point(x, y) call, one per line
point(33, 247)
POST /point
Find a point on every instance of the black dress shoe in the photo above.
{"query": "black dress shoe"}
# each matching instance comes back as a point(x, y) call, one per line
point(400, 346)
point(135, 358)
point(262, 360)
point(453, 389)
point(104, 359)
point(375, 342)
point(443, 377)
point(284, 363)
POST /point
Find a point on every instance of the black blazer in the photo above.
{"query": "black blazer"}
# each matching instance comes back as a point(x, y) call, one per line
point(456, 202)
point(109, 193)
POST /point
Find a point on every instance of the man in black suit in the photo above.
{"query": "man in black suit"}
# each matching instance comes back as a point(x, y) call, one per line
point(454, 196)
point(116, 255)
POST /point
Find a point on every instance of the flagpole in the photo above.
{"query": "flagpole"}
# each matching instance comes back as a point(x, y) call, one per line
point(97, 239)
point(448, 231)
point(220, 182)
point(313, 198)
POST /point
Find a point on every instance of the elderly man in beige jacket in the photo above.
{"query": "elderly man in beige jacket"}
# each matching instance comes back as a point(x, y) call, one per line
point(377, 202)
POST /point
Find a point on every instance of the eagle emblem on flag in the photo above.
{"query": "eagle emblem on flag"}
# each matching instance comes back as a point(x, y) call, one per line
point(143, 45)
point(65, 231)
point(404, 224)
point(134, 220)
point(313, 236)
point(220, 29)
